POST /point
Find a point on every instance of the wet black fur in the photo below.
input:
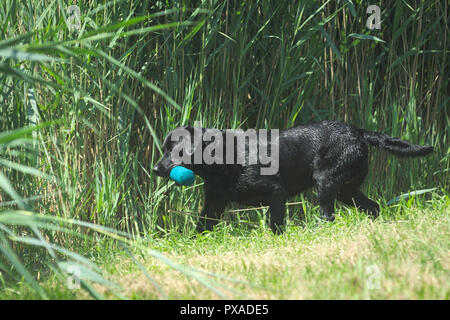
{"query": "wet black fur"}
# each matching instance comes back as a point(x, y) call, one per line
point(330, 156)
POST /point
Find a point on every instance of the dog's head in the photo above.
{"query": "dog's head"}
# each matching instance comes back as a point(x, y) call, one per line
point(202, 149)
point(178, 149)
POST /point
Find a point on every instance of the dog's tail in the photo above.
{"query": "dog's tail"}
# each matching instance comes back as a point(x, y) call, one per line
point(396, 146)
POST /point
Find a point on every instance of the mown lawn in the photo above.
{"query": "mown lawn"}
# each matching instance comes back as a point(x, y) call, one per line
point(84, 112)
point(402, 255)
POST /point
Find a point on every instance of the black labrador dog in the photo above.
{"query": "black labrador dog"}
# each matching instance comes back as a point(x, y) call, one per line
point(330, 156)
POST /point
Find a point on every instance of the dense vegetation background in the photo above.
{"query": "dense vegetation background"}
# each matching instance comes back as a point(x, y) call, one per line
point(104, 95)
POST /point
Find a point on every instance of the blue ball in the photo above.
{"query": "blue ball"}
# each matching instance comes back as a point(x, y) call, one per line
point(182, 175)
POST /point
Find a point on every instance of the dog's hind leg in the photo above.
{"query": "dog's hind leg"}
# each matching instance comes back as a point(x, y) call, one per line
point(327, 197)
point(326, 191)
point(335, 170)
point(360, 201)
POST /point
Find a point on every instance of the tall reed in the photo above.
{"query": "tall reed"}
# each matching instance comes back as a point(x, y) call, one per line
point(137, 69)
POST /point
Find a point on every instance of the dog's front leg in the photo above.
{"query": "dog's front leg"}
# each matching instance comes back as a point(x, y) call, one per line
point(212, 209)
point(277, 208)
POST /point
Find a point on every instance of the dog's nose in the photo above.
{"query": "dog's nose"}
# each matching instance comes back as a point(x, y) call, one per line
point(157, 170)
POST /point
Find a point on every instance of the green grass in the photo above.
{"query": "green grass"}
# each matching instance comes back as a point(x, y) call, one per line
point(83, 114)
point(402, 255)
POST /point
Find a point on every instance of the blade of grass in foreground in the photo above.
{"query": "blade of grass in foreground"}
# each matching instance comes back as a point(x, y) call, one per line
point(409, 194)
point(14, 260)
point(25, 218)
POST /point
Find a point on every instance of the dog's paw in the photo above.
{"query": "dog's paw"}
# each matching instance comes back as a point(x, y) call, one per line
point(328, 217)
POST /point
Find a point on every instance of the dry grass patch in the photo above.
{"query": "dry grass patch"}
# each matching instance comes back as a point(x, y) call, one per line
point(362, 259)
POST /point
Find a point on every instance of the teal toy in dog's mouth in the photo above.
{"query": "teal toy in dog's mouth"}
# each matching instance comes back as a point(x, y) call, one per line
point(182, 175)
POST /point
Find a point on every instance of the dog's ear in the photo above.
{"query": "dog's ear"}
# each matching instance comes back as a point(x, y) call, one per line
point(196, 138)
point(190, 144)
point(166, 144)
point(188, 128)
point(193, 138)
